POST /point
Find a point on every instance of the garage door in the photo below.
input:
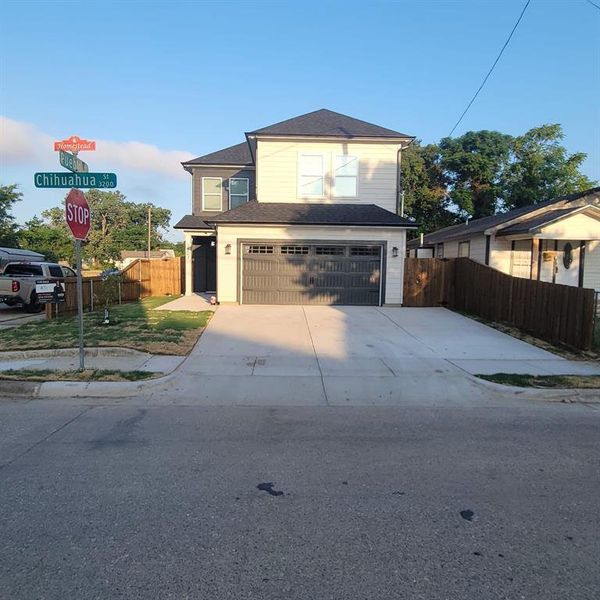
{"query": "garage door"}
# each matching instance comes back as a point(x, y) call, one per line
point(304, 273)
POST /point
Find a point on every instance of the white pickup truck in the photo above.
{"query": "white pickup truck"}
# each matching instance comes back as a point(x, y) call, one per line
point(18, 281)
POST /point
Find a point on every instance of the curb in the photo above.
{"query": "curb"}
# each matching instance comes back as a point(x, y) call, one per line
point(106, 351)
point(20, 389)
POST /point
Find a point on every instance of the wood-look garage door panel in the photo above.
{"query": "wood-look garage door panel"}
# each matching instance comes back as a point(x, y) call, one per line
point(300, 273)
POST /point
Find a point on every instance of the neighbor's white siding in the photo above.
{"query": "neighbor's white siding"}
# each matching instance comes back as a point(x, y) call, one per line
point(450, 249)
point(228, 273)
point(500, 254)
point(591, 265)
point(277, 171)
point(577, 227)
point(477, 249)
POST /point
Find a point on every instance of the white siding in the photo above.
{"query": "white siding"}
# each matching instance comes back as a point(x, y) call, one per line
point(500, 250)
point(277, 171)
point(577, 227)
point(450, 249)
point(591, 267)
point(227, 270)
point(478, 249)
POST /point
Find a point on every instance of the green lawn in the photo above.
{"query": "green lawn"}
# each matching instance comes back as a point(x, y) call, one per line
point(86, 375)
point(134, 325)
point(545, 381)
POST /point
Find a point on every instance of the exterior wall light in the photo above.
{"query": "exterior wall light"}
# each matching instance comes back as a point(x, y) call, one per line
point(395, 251)
point(228, 249)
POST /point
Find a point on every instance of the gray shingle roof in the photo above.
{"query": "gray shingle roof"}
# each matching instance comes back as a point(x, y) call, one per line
point(234, 155)
point(192, 222)
point(325, 122)
point(478, 226)
point(290, 213)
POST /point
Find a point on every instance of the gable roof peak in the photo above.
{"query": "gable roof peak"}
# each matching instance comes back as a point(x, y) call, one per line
point(324, 122)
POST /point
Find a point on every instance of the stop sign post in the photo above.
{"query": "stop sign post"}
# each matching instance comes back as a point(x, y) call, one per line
point(79, 219)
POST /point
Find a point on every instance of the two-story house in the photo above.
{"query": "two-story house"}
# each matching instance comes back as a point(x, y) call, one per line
point(303, 212)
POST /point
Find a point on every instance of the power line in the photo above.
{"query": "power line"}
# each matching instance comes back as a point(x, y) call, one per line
point(594, 4)
point(492, 68)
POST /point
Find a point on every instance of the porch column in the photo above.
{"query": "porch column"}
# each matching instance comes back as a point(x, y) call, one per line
point(188, 264)
point(535, 258)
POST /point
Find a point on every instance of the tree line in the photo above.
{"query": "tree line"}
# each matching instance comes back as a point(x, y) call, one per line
point(117, 225)
point(484, 172)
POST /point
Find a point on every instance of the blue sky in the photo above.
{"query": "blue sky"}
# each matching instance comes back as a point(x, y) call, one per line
point(156, 82)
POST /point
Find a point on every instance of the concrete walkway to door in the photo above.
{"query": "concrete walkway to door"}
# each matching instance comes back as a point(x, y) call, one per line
point(351, 355)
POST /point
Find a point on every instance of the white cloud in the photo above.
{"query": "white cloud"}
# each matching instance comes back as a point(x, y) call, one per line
point(24, 144)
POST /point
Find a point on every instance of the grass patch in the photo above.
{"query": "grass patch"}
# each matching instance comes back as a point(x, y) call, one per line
point(545, 381)
point(87, 375)
point(136, 325)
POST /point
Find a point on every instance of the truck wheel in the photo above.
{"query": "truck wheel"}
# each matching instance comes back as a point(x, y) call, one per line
point(34, 306)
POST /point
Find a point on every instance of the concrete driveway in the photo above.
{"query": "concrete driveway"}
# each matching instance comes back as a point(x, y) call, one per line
point(351, 355)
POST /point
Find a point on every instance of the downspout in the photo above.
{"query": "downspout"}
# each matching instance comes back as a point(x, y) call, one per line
point(399, 194)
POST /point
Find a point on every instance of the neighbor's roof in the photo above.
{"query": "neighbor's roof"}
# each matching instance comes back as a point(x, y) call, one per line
point(540, 221)
point(479, 226)
point(327, 123)
point(234, 155)
point(291, 213)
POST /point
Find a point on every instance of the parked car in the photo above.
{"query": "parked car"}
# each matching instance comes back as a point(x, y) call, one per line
point(18, 280)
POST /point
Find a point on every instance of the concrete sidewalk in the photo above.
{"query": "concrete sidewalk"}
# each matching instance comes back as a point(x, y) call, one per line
point(195, 302)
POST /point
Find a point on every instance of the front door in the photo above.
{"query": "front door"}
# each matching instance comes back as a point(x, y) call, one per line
point(567, 262)
point(204, 258)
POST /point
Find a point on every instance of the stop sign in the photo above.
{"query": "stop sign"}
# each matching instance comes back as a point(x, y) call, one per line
point(77, 214)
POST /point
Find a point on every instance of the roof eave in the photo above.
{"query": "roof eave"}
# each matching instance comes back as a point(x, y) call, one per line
point(387, 138)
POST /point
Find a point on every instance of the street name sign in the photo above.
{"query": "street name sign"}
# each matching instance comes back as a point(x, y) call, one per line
point(78, 214)
point(71, 162)
point(74, 144)
point(75, 180)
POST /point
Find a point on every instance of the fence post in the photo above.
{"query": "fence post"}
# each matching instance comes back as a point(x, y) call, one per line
point(119, 292)
point(91, 295)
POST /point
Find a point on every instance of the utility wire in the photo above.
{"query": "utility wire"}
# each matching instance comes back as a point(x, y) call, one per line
point(593, 4)
point(493, 66)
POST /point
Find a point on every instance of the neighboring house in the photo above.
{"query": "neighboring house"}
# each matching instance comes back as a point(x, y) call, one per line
point(302, 212)
point(557, 241)
point(129, 256)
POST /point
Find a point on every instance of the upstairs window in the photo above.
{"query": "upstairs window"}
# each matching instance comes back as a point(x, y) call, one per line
point(239, 190)
point(345, 176)
point(311, 175)
point(212, 189)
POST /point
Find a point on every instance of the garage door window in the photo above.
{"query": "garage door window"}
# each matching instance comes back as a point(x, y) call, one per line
point(259, 249)
point(329, 250)
point(294, 249)
point(364, 251)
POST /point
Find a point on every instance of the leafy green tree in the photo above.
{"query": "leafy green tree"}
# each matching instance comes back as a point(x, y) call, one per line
point(117, 225)
point(473, 164)
point(9, 231)
point(425, 188)
point(53, 241)
point(541, 168)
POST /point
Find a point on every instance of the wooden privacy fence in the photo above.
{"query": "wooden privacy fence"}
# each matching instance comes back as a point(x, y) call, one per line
point(560, 314)
point(141, 279)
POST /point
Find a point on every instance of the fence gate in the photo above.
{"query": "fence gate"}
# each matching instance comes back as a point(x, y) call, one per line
point(427, 282)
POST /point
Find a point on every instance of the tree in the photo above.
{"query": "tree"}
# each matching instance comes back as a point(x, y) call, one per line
point(9, 231)
point(541, 168)
point(473, 164)
point(117, 225)
point(425, 188)
point(54, 242)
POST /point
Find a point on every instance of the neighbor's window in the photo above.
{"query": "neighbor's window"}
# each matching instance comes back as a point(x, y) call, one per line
point(212, 188)
point(345, 176)
point(439, 250)
point(238, 191)
point(311, 175)
point(464, 249)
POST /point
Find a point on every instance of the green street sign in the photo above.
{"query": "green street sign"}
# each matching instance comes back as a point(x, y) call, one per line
point(75, 180)
point(71, 162)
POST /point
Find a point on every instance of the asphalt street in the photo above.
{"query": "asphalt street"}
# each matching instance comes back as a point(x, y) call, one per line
point(137, 500)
